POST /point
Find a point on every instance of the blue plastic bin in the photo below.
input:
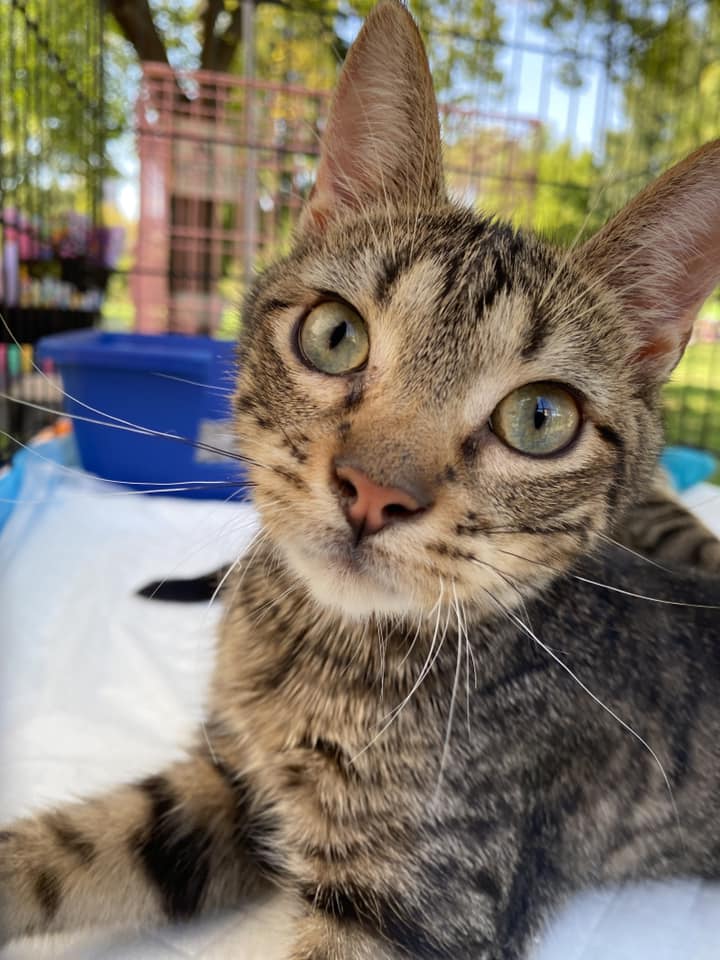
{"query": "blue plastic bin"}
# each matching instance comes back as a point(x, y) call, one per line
point(173, 384)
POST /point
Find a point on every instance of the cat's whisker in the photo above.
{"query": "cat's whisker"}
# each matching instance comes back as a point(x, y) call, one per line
point(509, 580)
point(132, 428)
point(223, 580)
point(116, 421)
point(237, 522)
point(383, 651)
point(261, 538)
point(609, 586)
point(426, 667)
point(77, 472)
point(261, 612)
point(150, 491)
point(453, 695)
point(634, 553)
point(410, 648)
point(468, 655)
point(593, 696)
point(642, 596)
point(168, 487)
point(469, 659)
point(226, 391)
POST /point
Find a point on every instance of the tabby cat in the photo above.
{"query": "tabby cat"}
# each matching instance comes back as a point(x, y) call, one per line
point(439, 706)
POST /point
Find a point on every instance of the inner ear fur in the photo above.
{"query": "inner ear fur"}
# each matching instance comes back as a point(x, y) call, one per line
point(382, 140)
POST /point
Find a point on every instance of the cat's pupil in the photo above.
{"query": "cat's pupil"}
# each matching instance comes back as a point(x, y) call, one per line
point(338, 335)
point(543, 412)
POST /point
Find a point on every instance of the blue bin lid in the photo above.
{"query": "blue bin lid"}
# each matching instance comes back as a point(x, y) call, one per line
point(166, 353)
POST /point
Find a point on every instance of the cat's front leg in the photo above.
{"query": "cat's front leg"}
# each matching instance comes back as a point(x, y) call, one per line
point(322, 936)
point(166, 848)
point(332, 934)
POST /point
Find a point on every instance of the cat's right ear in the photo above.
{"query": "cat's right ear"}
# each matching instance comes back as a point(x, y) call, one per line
point(382, 141)
point(661, 256)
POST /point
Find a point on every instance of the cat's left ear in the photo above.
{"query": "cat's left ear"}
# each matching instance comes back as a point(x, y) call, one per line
point(382, 141)
point(661, 255)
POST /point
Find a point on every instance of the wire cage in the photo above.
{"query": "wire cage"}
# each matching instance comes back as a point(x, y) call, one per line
point(558, 127)
point(550, 119)
point(51, 168)
point(226, 164)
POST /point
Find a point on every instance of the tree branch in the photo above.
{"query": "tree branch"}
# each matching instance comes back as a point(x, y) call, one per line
point(135, 19)
point(227, 43)
point(209, 40)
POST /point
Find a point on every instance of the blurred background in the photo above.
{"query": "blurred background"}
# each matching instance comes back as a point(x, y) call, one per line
point(154, 153)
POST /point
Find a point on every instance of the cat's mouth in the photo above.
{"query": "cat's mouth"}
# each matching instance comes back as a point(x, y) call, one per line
point(357, 577)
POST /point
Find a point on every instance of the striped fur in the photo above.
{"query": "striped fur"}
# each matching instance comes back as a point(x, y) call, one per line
point(428, 737)
point(660, 526)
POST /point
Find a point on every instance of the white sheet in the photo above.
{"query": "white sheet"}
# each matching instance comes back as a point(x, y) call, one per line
point(97, 686)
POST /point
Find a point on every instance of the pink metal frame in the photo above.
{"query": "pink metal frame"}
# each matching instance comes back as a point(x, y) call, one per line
point(225, 166)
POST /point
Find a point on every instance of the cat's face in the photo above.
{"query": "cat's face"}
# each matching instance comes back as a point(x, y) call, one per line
point(458, 314)
point(442, 409)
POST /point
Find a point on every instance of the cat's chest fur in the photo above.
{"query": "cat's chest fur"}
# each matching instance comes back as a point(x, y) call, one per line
point(360, 738)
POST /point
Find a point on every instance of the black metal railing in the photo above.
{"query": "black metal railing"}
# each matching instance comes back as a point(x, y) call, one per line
point(51, 172)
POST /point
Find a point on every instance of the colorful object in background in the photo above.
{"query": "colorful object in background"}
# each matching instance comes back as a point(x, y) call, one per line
point(25, 386)
point(147, 385)
point(54, 443)
point(61, 264)
point(687, 466)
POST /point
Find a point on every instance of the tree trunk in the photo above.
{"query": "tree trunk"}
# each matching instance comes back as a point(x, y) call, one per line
point(135, 19)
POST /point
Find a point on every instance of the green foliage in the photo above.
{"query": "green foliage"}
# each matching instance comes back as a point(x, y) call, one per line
point(665, 58)
point(51, 119)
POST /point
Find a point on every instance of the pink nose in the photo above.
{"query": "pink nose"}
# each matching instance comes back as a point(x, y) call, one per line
point(370, 507)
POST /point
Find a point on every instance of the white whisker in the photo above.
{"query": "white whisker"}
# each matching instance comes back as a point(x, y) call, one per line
point(583, 686)
point(453, 696)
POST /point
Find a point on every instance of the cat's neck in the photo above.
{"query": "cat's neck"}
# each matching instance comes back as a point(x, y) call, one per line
point(275, 603)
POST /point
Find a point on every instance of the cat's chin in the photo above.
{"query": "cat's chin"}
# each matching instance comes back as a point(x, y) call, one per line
point(353, 590)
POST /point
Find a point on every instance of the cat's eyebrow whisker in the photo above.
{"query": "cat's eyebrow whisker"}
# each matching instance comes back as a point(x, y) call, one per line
point(571, 249)
point(593, 696)
point(598, 281)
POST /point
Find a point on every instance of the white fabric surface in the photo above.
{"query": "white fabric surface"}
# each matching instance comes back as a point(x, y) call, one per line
point(97, 686)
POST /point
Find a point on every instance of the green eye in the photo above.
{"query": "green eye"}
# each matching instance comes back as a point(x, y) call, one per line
point(538, 419)
point(333, 338)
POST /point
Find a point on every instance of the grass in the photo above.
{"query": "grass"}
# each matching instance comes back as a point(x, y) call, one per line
point(692, 400)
